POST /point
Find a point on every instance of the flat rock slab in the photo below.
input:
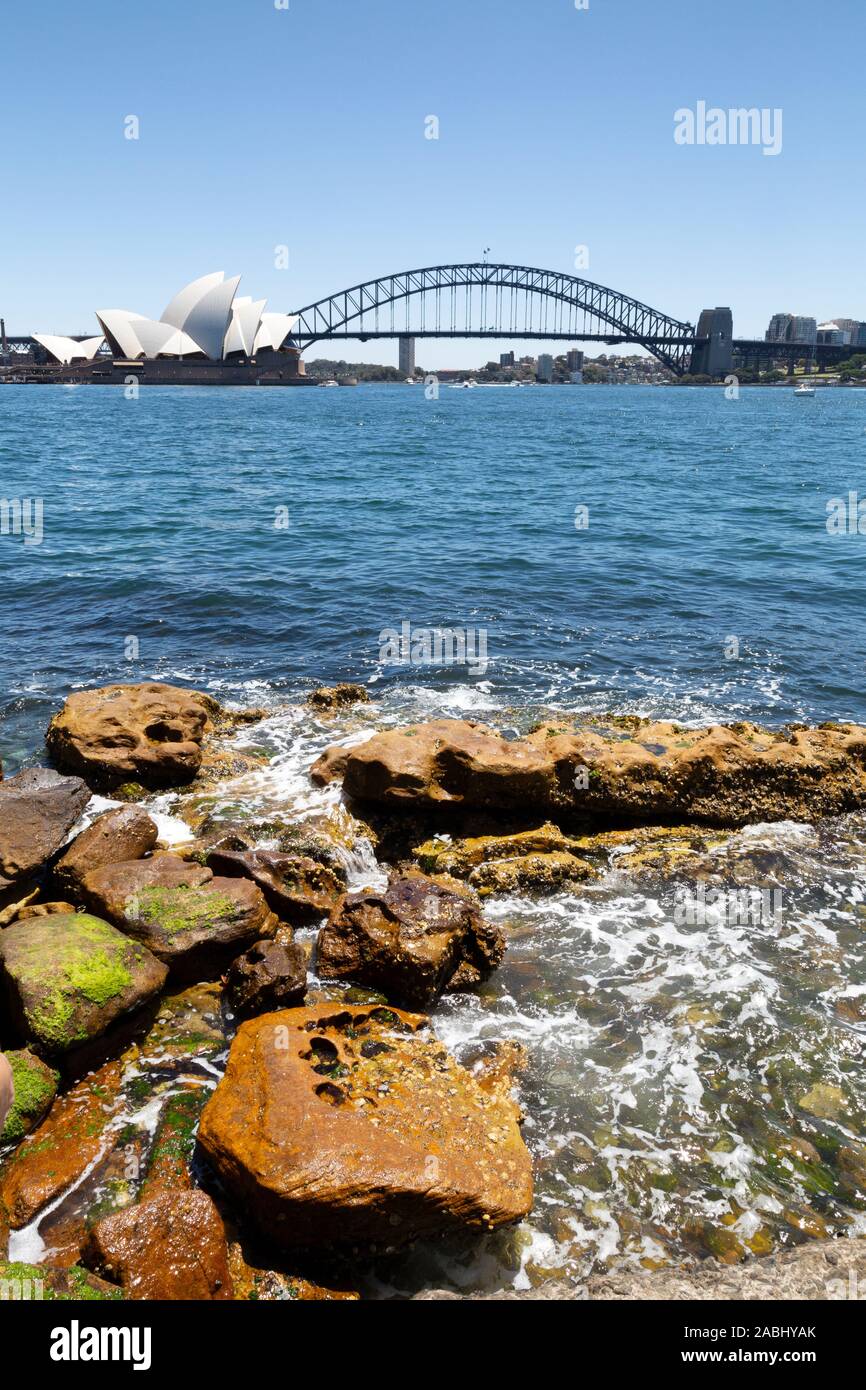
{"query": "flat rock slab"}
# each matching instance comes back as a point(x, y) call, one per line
point(170, 1247)
point(149, 733)
point(344, 1124)
point(38, 808)
point(66, 979)
point(624, 772)
point(118, 835)
point(409, 941)
point(188, 918)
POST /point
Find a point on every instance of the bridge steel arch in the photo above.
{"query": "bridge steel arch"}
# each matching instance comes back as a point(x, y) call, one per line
point(607, 315)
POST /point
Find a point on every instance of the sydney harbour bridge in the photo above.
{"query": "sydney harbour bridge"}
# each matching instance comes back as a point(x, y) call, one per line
point(481, 299)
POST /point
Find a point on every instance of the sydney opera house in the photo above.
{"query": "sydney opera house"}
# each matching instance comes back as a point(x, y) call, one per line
point(208, 334)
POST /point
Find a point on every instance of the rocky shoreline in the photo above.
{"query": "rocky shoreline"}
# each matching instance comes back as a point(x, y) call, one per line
point(289, 1125)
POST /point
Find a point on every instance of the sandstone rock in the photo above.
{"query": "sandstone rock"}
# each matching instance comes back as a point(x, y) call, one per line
point(343, 1124)
point(116, 836)
point(45, 910)
point(35, 1088)
point(338, 696)
point(38, 808)
point(408, 941)
point(170, 1247)
point(52, 1158)
point(66, 979)
point(266, 977)
point(459, 857)
point(188, 918)
point(297, 889)
point(722, 775)
point(531, 873)
point(151, 734)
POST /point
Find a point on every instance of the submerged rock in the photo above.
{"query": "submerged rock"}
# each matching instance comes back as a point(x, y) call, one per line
point(122, 834)
point(35, 1088)
point(409, 941)
point(646, 772)
point(270, 975)
point(171, 1246)
point(189, 919)
point(338, 1125)
point(38, 808)
point(66, 979)
point(299, 890)
point(151, 735)
point(528, 861)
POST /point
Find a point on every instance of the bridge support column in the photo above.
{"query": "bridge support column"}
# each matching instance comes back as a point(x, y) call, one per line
point(715, 356)
point(407, 356)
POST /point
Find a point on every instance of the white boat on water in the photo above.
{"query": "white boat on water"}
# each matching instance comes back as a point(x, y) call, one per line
point(329, 383)
point(804, 390)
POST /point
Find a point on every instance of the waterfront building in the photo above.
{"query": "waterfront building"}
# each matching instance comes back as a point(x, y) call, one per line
point(205, 321)
point(830, 334)
point(804, 330)
point(506, 359)
point(544, 370)
point(574, 360)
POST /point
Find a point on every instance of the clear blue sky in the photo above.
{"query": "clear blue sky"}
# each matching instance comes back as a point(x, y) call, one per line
point(305, 126)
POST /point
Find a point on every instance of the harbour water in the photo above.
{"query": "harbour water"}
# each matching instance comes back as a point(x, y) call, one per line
point(257, 543)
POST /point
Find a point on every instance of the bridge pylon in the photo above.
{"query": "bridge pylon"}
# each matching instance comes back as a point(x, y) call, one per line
point(715, 356)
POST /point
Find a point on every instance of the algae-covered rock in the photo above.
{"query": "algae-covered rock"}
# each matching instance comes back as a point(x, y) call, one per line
point(194, 922)
point(74, 1135)
point(35, 1088)
point(66, 979)
point(25, 1282)
point(824, 1101)
point(331, 697)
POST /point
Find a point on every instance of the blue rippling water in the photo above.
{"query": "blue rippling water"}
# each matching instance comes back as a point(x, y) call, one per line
point(707, 522)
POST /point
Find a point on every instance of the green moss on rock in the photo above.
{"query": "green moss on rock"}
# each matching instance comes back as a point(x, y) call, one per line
point(35, 1088)
point(177, 910)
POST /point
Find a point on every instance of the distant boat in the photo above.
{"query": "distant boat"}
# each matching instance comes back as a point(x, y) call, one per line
point(329, 383)
point(804, 390)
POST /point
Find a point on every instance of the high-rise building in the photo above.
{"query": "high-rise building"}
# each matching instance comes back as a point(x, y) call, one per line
point(804, 330)
point(780, 328)
point(407, 356)
point(850, 327)
point(574, 360)
point(861, 335)
point(506, 359)
point(832, 335)
point(544, 370)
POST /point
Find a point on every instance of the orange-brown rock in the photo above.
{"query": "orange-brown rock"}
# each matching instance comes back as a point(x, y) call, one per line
point(122, 834)
point(263, 1285)
point(52, 1158)
point(189, 919)
point(152, 734)
point(45, 910)
point(299, 890)
point(341, 1124)
point(409, 941)
point(171, 1247)
point(651, 772)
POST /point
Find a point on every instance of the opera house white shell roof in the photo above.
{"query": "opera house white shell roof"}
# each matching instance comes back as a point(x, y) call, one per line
point(205, 319)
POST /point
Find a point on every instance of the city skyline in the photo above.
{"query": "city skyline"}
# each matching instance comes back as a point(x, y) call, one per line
point(351, 177)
